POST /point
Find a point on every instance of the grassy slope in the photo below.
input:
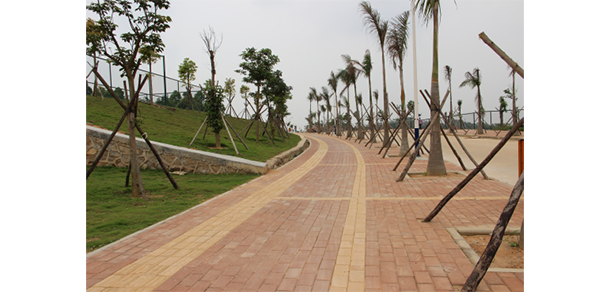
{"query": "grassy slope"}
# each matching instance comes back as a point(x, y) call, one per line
point(179, 127)
point(112, 213)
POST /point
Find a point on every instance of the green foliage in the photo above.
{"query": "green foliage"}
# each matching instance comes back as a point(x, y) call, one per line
point(178, 126)
point(186, 72)
point(131, 48)
point(214, 106)
point(113, 214)
point(257, 66)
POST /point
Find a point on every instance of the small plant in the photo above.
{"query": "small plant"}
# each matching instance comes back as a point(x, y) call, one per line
point(510, 242)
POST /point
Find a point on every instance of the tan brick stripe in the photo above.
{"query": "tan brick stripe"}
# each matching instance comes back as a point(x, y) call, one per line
point(349, 268)
point(152, 270)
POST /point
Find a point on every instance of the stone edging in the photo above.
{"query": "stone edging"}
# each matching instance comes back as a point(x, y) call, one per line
point(457, 232)
point(180, 158)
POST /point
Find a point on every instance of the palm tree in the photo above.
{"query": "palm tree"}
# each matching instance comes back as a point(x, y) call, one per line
point(448, 71)
point(459, 103)
point(333, 81)
point(345, 78)
point(513, 96)
point(474, 80)
point(430, 9)
point(325, 96)
point(311, 97)
point(502, 109)
point(353, 74)
point(397, 47)
point(378, 27)
point(367, 67)
point(316, 97)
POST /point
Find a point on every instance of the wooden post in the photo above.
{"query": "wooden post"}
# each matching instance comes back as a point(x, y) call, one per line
point(496, 239)
point(206, 118)
point(501, 53)
point(230, 137)
point(521, 157)
point(235, 132)
point(106, 144)
point(474, 172)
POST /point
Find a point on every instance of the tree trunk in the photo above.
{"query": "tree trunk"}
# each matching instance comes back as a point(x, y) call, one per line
point(436, 163)
point(403, 119)
point(479, 104)
point(217, 137)
point(386, 106)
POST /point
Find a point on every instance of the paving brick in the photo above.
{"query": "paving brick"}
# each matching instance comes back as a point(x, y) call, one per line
point(306, 223)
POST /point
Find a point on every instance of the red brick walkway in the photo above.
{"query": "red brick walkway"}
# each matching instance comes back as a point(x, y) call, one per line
point(311, 226)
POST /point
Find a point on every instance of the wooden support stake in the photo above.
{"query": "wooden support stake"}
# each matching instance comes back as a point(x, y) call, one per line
point(502, 54)
point(196, 134)
point(229, 132)
point(458, 139)
point(235, 132)
point(106, 144)
point(474, 172)
point(489, 253)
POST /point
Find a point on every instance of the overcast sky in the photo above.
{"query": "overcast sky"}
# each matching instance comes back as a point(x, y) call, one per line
point(309, 37)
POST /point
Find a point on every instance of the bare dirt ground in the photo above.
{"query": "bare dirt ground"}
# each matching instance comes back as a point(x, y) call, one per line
point(508, 256)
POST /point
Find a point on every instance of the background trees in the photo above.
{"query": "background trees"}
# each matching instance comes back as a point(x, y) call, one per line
point(257, 67)
point(397, 48)
point(378, 27)
point(474, 80)
point(186, 73)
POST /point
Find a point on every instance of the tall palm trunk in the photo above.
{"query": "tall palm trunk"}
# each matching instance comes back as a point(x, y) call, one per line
point(371, 117)
point(404, 144)
point(386, 105)
point(480, 126)
point(436, 163)
point(358, 118)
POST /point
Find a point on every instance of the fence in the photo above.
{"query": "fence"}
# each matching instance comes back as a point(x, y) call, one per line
point(491, 120)
point(158, 88)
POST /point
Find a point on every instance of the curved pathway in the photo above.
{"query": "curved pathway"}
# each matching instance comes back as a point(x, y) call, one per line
point(333, 219)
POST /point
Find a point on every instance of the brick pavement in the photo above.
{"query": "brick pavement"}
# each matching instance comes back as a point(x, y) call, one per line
point(334, 219)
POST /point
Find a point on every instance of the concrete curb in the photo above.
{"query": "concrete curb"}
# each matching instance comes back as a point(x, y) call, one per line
point(457, 232)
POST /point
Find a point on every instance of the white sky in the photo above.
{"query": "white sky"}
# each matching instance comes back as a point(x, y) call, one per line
point(309, 37)
point(43, 114)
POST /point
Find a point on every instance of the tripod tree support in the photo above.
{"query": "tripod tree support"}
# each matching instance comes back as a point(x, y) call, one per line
point(480, 269)
point(434, 118)
point(472, 174)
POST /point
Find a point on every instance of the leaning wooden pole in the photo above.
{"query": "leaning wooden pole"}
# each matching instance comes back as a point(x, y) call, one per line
point(474, 172)
point(488, 255)
point(154, 151)
point(502, 54)
point(196, 134)
point(229, 132)
point(106, 144)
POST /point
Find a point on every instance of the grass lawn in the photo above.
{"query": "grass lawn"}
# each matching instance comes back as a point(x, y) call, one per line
point(178, 127)
point(113, 214)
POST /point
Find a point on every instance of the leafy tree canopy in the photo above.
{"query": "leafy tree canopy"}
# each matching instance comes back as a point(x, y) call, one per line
point(257, 66)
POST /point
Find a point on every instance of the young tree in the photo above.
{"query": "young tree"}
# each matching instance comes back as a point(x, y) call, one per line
point(186, 73)
point(459, 103)
point(257, 68)
point(378, 27)
point(397, 48)
point(474, 80)
point(215, 108)
point(128, 50)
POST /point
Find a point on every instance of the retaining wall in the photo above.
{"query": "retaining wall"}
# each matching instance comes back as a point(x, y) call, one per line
point(178, 158)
